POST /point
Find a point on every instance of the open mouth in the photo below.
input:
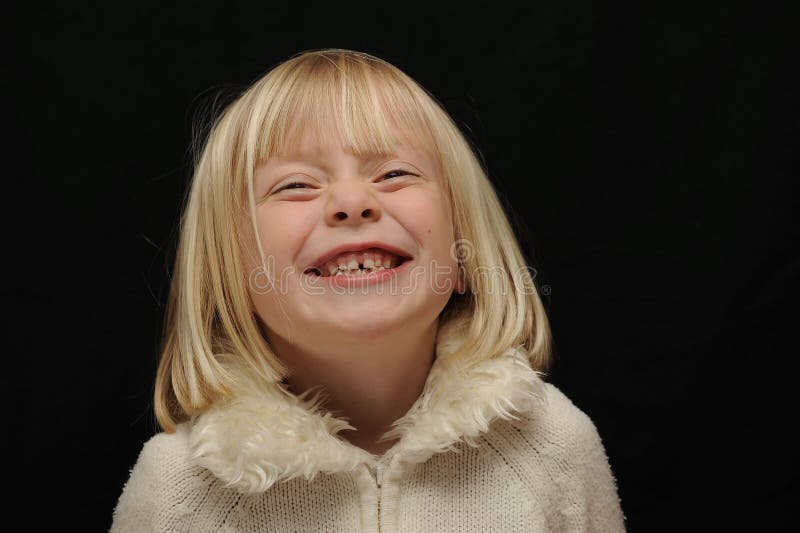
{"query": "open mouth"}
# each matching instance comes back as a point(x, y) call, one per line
point(358, 264)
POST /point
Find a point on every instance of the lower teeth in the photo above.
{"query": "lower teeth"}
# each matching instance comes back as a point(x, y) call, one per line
point(354, 272)
point(357, 271)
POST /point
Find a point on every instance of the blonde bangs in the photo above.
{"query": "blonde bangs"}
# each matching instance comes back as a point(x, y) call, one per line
point(363, 103)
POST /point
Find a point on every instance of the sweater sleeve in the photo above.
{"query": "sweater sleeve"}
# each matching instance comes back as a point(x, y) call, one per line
point(597, 485)
point(136, 509)
point(589, 502)
point(161, 490)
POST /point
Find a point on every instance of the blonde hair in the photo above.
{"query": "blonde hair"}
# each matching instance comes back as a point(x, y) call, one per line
point(360, 99)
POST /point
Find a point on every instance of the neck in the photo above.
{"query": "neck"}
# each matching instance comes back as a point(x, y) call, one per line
point(371, 383)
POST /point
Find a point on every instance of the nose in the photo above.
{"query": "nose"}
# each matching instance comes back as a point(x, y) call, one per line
point(351, 204)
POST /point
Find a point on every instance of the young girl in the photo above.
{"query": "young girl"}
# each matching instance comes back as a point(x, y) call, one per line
point(341, 239)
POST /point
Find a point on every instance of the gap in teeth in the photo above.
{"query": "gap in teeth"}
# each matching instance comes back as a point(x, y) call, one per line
point(367, 261)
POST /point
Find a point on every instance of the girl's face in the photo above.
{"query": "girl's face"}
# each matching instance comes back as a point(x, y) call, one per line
point(316, 199)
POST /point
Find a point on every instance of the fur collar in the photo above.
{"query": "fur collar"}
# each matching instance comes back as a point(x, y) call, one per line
point(268, 434)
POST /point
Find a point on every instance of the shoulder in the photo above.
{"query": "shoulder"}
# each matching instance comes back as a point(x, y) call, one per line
point(563, 421)
point(163, 474)
point(556, 435)
point(563, 461)
point(166, 447)
point(164, 455)
point(551, 432)
point(553, 424)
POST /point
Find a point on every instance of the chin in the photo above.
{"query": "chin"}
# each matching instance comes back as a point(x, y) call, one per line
point(358, 329)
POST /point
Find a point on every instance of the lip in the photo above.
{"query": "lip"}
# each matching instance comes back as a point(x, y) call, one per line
point(357, 247)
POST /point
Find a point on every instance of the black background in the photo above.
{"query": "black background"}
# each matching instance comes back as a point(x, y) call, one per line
point(645, 153)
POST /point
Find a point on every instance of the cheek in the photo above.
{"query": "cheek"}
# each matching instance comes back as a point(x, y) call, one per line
point(437, 219)
point(430, 218)
point(427, 210)
point(282, 232)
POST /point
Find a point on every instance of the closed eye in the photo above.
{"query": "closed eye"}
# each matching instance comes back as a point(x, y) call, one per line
point(292, 185)
point(397, 173)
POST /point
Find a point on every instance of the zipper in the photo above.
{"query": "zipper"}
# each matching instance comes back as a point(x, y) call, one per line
point(378, 475)
point(380, 466)
point(379, 481)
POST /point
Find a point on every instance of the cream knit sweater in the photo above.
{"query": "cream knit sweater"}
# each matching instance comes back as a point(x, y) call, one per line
point(491, 448)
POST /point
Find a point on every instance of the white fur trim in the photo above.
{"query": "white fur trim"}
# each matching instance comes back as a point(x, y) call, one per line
point(457, 405)
point(267, 434)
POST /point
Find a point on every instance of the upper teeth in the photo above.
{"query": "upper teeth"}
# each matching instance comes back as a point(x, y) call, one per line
point(372, 259)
